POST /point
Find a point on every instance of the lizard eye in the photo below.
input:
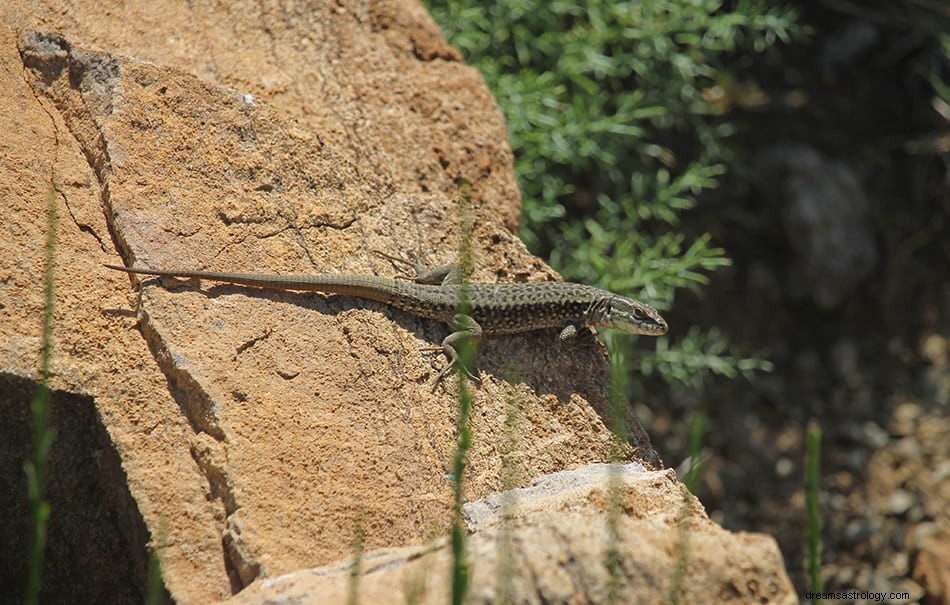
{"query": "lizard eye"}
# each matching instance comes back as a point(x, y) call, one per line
point(639, 315)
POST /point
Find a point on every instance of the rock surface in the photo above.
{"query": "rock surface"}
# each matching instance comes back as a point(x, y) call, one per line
point(256, 433)
point(825, 212)
point(548, 544)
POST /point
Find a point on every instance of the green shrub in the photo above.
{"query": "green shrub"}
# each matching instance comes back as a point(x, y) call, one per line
point(615, 133)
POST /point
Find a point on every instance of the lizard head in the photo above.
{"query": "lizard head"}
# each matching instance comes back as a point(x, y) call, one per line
point(633, 317)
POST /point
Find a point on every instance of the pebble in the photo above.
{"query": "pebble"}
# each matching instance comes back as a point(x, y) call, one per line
point(900, 502)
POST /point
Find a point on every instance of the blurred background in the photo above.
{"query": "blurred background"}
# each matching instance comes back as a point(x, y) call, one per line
point(775, 177)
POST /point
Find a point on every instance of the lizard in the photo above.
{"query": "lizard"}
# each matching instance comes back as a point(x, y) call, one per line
point(491, 308)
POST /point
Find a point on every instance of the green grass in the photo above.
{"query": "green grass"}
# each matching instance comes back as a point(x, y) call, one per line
point(155, 585)
point(697, 431)
point(38, 466)
point(356, 572)
point(690, 480)
point(617, 423)
point(155, 592)
point(460, 566)
point(813, 512)
point(507, 562)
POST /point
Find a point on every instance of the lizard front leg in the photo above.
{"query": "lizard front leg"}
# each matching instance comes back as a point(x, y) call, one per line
point(466, 331)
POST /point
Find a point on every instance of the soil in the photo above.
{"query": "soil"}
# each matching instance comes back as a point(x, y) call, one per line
point(872, 368)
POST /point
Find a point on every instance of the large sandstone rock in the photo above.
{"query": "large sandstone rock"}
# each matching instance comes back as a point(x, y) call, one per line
point(248, 434)
point(548, 544)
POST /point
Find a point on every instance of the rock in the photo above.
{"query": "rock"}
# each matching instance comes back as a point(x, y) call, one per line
point(849, 44)
point(906, 479)
point(824, 210)
point(550, 546)
point(900, 501)
point(248, 434)
point(930, 562)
